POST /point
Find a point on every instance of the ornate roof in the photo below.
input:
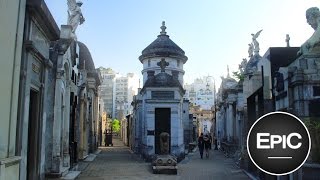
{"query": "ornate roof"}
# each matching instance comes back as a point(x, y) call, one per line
point(85, 58)
point(163, 46)
point(86, 62)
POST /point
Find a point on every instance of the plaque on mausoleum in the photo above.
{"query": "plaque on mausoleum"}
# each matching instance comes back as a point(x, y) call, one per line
point(162, 94)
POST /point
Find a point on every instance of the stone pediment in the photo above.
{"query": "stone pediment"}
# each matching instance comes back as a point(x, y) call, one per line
point(162, 80)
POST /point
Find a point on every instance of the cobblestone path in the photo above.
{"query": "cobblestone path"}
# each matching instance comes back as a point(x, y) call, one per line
point(117, 162)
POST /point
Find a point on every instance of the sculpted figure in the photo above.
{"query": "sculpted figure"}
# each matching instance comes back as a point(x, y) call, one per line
point(243, 65)
point(164, 143)
point(313, 19)
point(75, 16)
point(250, 50)
point(255, 42)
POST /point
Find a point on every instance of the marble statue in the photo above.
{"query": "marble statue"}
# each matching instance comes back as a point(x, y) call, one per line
point(243, 65)
point(313, 19)
point(250, 50)
point(164, 143)
point(255, 42)
point(75, 16)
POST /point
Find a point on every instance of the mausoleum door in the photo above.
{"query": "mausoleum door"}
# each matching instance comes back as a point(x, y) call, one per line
point(162, 124)
point(33, 136)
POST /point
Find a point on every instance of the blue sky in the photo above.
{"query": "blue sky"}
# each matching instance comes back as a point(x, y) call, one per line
point(213, 34)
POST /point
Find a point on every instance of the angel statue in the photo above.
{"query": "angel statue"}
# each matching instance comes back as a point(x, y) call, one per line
point(255, 42)
point(74, 15)
point(313, 19)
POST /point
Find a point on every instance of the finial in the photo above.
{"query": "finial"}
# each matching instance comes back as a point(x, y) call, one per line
point(228, 71)
point(163, 28)
point(288, 40)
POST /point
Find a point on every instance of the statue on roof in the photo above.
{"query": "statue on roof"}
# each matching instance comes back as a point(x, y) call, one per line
point(75, 16)
point(250, 50)
point(313, 19)
point(255, 42)
point(243, 65)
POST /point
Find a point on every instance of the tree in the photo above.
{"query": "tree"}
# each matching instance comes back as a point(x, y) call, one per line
point(238, 75)
point(116, 126)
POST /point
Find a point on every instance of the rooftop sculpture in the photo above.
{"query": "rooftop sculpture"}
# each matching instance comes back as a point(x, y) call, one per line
point(313, 19)
point(75, 16)
point(255, 42)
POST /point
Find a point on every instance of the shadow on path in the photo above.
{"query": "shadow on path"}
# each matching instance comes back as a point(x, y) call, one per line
point(118, 162)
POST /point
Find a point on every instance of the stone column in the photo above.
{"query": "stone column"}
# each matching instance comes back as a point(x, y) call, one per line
point(81, 132)
point(57, 122)
point(60, 96)
point(66, 123)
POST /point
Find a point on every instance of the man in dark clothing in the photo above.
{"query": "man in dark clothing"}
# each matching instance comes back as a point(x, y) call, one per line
point(207, 142)
point(201, 145)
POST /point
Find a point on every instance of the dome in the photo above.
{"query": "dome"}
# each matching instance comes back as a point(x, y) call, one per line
point(163, 46)
point(85, 58)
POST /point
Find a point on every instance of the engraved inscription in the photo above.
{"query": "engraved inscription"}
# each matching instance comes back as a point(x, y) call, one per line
point(162, 94)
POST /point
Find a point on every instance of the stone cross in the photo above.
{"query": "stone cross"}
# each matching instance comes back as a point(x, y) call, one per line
point(163, 64)
point(288, 40)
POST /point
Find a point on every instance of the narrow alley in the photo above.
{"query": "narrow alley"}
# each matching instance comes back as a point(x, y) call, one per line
point(118, 162)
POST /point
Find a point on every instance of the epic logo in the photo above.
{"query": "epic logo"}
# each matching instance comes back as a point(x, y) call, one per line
point(278, 143)
point(277, 139)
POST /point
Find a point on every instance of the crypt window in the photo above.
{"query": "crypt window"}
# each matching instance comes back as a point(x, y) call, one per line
point(149, 63)
point(316, 90)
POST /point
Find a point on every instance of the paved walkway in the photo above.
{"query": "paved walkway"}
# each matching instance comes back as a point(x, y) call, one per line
point(118, 163)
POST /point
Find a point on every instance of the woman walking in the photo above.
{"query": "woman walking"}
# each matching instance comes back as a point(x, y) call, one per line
point(201, 145)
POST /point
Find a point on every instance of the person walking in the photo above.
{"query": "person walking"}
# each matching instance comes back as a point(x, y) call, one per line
point(206, 144)
point(201, 145)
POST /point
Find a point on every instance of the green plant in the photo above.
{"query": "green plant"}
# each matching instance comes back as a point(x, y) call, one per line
point(116, 126)
point(238, 75)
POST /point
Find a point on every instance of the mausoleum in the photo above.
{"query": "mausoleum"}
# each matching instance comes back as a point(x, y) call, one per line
point(159, 106)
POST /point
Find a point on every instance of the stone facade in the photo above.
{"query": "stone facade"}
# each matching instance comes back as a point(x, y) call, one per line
point(89, 80)
point(42, 120)
point(229, 120)
point(12, 16)
point(278, 81)
point(37, 68)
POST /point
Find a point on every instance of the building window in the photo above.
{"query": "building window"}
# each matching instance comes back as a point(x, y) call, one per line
point(178, 63)
point(316, 90)
point(149, 63)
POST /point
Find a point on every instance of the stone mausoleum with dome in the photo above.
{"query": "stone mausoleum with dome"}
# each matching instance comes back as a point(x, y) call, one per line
point(159, 106)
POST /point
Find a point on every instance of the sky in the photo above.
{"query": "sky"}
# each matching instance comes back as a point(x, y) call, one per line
point(213, 34)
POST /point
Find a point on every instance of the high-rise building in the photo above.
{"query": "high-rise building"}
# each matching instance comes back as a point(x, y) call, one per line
point(125, 88)
point(107, 89)
point(117, 92)
point(201, 92)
